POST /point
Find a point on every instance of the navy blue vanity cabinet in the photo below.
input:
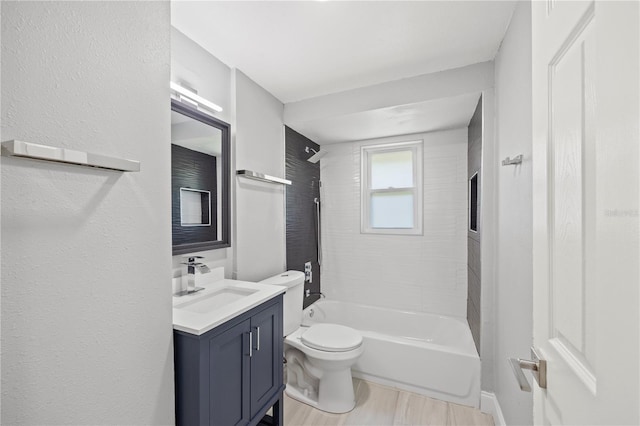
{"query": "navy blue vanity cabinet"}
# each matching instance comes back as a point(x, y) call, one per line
point(229, 376)
point(232, 374)
point(267, 352)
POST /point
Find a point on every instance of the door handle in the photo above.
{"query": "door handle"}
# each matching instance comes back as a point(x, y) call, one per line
point(538, 369)
point(258, 338)
point(250, 344)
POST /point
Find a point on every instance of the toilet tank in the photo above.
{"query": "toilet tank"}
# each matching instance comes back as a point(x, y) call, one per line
point(292, 311)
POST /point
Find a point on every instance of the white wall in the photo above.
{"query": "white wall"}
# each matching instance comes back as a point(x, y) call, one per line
point(258, 139)
point(423, 273)
point(86, 304)
point(489, 219)
point(198, 69)
point(513, 290)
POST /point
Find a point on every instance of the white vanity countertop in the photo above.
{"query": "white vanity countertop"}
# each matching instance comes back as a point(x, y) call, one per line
point(192, 315)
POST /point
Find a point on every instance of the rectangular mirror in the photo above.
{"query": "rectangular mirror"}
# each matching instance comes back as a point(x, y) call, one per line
point(200, 173)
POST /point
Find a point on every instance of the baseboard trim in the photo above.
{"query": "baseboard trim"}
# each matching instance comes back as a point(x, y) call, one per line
point(489, 404)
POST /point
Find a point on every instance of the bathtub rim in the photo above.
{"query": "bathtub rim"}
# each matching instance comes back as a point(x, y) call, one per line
point(470, 350)
point(404, 311)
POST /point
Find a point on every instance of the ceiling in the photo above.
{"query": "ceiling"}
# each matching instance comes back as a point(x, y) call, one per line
point(421, 117)
point(303, 49)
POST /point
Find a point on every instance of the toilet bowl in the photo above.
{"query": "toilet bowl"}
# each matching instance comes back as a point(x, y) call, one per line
point(319, 358)
point(327, 357)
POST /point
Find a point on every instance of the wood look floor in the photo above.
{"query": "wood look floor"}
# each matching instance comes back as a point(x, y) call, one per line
point(379, 405)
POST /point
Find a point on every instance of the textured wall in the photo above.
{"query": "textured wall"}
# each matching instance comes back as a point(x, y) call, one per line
point(513, 292)
point(86, 253)
point(474, 161)
point(425, 273)
point(259, 248)
point(301, 210)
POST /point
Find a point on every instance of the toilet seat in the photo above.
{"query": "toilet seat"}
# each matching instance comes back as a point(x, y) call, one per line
point(331, 338)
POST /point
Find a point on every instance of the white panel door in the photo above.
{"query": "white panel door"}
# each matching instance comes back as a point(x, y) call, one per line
point(585, 197)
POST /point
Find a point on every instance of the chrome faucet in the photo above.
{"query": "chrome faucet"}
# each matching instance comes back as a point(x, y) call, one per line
point(191, 266)
point(309, 293)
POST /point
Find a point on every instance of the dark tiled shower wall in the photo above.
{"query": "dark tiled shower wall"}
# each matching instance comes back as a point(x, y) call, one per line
point(301, 210)
point(192, 169)
point(474, 159)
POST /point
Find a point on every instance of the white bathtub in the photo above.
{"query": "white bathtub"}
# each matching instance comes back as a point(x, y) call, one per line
point(429, 354)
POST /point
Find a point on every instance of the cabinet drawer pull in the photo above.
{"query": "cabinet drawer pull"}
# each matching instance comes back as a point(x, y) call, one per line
point(250, 344)
point(258, 338)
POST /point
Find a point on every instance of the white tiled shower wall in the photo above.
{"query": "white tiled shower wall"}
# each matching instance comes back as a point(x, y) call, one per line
point(426, 273)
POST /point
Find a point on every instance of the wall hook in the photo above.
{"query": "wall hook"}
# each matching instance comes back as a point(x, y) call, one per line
point(512, 161)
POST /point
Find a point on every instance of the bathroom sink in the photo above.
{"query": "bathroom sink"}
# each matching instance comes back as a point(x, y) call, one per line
point(218, 302)
point(217, 299)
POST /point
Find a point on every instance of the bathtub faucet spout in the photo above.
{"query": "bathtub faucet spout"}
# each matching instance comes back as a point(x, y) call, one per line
point(314, 293)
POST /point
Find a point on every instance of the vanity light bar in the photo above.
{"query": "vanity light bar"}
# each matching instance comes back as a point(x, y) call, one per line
point(194, 97)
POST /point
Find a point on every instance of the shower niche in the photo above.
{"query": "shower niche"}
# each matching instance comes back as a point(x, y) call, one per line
point(195, 207)
point(473, 203)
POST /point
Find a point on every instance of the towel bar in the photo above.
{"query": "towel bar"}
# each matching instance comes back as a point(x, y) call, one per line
point(16, 148)
point(262, 177)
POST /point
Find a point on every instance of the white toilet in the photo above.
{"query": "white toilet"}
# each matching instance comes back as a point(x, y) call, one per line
point(319, 358)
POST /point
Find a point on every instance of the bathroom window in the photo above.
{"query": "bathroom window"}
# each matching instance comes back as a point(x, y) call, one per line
point(392, 188)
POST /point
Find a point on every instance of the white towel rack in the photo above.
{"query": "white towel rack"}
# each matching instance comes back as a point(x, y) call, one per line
point(16, 148)
point(262, 177)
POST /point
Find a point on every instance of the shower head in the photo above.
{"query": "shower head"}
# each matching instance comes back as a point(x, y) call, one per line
point(316, 155)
